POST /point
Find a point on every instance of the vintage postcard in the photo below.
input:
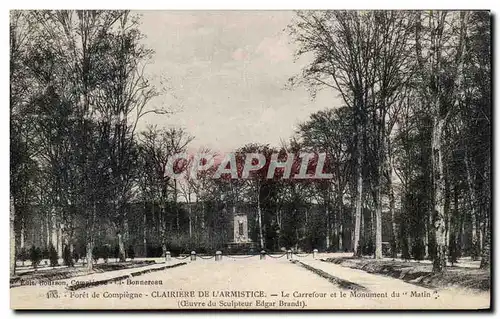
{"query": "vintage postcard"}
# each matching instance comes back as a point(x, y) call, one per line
point(257, 160)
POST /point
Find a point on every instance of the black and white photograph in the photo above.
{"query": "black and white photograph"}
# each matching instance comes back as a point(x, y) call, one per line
point(250, 159)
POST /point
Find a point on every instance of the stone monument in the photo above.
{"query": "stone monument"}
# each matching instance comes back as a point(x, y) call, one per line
point(241, 241)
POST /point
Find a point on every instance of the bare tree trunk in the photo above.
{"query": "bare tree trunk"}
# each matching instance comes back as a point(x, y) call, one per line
point(177, 225)
point(90, 237)
point(462, 231)
point(448, 231)
point(378, 229)
point(362, 238)
point(90, 246)
point(279, 218)
point(259, 216)
point(88, 257)
point(394, 228)
point(390, 188)
point(145, 231)
point(352, 234)
point(486, 252)
point(455, 222)
point(341, 239)
point(430, 229)
point(359, 194)
point(480, 227)
point(47, 229)
point(439, 198)
point(340, 225)
point(53, 229)
point(162, 230)
point(121, 247)
point(23, 234)
point(60, 239)
point(306, 226)
point(296, 238)
point(383, 174)
point(202, 217)
point(126, 235)
point(120, 233)
point(473, 212)
point(71, 235)
point(12, 237)
point(328, 226)
point(426, 238)
point(190, 212)
point(447, 213)
point(371, 209)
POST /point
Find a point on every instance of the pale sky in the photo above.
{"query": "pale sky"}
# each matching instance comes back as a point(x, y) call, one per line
point(227, 72)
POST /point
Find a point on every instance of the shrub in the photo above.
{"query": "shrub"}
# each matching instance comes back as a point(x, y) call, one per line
point(76, 257)
point(104, 253)
point(35, 256)
point(432, 248)
point(418, 250)
point(154, 251)
point(405, 249)
point(179, 244)
point(95, 254)
point(394, 248)
point(23, 255)
point(454, 253)
point(45, 253)
point(53, 257)
point(368, 248)
point(131, 252)
point(359, 249)
point(474, 250)
point(116, 252)
point(149, 250)
point(67, 258)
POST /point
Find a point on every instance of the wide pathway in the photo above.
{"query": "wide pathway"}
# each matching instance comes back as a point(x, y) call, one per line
point(245, 283)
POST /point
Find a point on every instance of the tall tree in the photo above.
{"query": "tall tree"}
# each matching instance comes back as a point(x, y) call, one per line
point(121, 101)
point(22, 143)
point(158, 146)
point(331, 131)
point(342, 44)
point(439, 49)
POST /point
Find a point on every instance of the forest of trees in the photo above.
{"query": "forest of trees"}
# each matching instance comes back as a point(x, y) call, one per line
point(417, 87)
point(409, 148)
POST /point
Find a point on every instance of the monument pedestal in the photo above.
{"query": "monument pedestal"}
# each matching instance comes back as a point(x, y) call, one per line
point(247, 248)
point(241, 243)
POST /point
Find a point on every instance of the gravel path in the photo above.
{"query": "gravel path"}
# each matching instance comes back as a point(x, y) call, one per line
point(244, 283)
point(439, 299)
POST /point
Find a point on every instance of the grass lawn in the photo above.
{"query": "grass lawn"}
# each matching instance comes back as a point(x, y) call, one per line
point(421, 273)
point(59, 273)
